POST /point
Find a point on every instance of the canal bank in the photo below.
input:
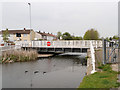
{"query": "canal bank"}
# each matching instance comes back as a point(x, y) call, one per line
point(106, 76)
point(21, 55)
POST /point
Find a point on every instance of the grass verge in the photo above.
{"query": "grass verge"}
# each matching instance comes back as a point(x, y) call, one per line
point(107, 78)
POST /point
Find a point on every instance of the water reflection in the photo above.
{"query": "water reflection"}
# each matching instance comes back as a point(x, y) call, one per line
point(55, 72)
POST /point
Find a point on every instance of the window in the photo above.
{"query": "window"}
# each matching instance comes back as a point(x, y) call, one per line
point(18, 34)
point(9, 35)
point(24, 35)
point(44, 37)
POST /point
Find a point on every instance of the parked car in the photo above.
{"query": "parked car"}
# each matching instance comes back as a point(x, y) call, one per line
point(7, 43)
point(10, 43)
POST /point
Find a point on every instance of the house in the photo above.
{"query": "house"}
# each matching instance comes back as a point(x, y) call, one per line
point(38, 36)
point(47, 36)
point(27, 35)
point(19, 35)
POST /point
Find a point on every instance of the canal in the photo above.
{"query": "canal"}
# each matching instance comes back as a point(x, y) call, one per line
point(63, 71)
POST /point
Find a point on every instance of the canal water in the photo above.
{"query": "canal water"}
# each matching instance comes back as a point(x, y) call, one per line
point(56, 72)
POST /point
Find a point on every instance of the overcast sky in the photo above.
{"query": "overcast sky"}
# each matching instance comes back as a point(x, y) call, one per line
point(73, 17)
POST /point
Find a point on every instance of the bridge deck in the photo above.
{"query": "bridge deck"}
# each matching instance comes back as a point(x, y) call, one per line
point(59, 45)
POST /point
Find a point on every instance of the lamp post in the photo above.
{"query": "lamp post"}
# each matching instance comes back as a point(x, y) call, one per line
point(30, 19)
point(30, 13)
point(30, 39)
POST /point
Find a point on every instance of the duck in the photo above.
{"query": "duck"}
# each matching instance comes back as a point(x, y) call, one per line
point(36, 72)
point(26, 71)
point(44, 72)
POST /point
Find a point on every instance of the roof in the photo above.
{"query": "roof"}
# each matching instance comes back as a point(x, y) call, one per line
point(46, 34)
point(27, 31)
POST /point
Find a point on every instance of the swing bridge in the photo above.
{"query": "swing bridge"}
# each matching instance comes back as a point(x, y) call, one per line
point(110, 52)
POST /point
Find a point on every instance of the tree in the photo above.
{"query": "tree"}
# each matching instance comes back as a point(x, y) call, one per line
point(115, 37)
point(107, 39)
point(5, 35)
point(59, 34)
point(66, 36)
point(77, 38)
point(110, 38)
point(91, 35)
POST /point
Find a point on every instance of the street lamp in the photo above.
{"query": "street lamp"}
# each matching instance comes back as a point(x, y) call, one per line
point(30, 36)
point(30, 13)
point(30, 19)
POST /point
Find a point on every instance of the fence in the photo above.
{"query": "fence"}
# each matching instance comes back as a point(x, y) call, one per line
point(110, 52)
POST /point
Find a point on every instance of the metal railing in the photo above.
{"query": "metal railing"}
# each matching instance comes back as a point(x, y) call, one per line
point(93, 58)
point(62, 44)
point(110, 54)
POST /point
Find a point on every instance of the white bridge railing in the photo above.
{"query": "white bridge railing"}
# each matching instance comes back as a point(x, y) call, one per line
point(61, 43)
point(92, 57)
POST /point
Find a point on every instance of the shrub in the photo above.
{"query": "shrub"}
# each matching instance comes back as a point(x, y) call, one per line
point(19, 55)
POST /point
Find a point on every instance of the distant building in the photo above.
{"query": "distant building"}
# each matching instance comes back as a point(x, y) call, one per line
point(19, 35)
point(27, 35)
point(1, 38)
point(38, 36)
point(47, 36)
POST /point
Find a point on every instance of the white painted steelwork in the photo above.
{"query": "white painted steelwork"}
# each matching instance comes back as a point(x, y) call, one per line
point(61, 43)
point(92, 57)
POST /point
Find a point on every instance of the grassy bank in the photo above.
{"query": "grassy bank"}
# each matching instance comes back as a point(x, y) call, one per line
point(18, 56)
point(106, 78)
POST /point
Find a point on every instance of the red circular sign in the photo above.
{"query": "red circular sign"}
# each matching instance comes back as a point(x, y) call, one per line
point(48, 43)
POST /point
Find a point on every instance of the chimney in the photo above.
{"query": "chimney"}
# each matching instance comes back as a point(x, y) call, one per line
point(24, 29)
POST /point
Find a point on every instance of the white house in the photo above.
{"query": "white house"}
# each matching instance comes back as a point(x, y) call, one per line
point(46, 36)
point(38, 36)
point(1, 38)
